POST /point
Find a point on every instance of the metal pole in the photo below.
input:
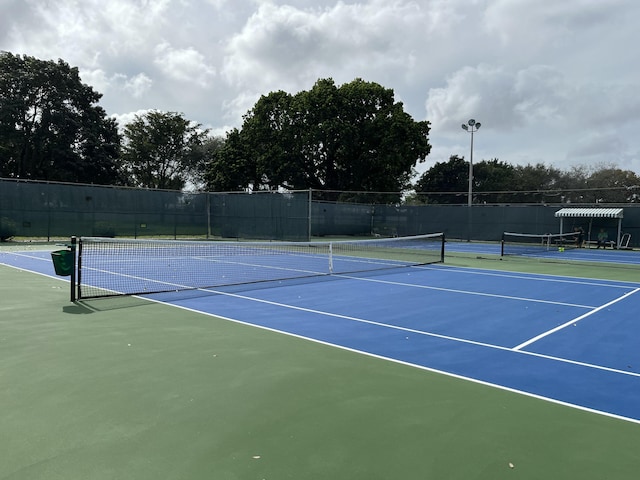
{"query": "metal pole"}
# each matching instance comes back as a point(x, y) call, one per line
point(309, 213)
point(470, 199)
point(471, 126)
point(208, 213)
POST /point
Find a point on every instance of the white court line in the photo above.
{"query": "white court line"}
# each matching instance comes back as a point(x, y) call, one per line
point(466, 292)
point(575, 320)
point(31, 256)
point(424, 367)
point(540, 277)
point(405, 329)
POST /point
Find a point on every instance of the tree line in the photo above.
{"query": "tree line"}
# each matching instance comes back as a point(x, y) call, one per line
point(354, 138)
point(498, 182)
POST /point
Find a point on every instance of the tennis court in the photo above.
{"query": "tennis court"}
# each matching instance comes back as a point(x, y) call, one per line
point(550, 337)
point(557, 348)
point(608, 255)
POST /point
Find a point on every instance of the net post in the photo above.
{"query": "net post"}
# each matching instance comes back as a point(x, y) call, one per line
point(331, 258)
point(502, 245)
point(442, 248)
point(79, 279)
point(72, 280)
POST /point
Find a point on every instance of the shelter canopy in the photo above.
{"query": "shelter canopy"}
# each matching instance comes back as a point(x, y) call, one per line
point(591, 212)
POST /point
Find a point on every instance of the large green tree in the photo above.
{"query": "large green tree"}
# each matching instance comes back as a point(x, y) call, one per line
point(229, 169)
point(610, 184)
point(492, 179)
point(202, 155)
point(445, 182)
point(355, 137)
point(448, 182)
point(51, 127)
point(163, 150)
point(541, 183)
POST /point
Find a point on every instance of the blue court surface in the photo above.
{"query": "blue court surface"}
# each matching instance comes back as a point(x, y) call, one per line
point(596, 255)
point(567, 340)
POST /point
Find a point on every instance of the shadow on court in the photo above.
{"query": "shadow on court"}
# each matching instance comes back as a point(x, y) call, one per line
point(84, 307)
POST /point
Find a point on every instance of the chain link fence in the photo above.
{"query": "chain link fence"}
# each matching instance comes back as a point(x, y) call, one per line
point(52, 210)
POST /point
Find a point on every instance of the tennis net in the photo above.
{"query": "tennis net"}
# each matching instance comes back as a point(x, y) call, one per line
point(533, 244)
point(108, 267)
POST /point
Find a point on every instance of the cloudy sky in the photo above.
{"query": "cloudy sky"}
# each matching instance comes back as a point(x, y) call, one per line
point(551, 81)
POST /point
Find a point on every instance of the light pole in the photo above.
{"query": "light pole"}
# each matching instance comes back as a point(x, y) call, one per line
point(471, 126)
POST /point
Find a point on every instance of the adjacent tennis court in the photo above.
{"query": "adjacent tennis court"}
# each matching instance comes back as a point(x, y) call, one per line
point(558, 348)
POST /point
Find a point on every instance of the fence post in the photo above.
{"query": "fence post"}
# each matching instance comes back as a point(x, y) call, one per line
point(208, 212)
point(309, 210)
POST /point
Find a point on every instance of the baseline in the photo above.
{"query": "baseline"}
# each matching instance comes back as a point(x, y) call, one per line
point(574, 321)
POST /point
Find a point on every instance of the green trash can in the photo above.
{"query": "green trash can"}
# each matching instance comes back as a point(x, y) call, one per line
point(63, 262)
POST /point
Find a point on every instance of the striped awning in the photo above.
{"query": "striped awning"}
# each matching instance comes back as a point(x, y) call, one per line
point(591, 212)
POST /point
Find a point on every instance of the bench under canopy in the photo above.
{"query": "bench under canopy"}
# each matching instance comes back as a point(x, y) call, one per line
point(591, 213)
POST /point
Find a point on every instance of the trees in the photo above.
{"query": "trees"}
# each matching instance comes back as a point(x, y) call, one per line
point(354, 137)
point(491, 176)
point(50, 125)
point(580, 184)
point(492, 180)
point(229, 168)
point(452, 176)
point(202, 156)
point(499, 182)
point(163, 150)
point(380, 143)
point(611, 184)
point(530, 181)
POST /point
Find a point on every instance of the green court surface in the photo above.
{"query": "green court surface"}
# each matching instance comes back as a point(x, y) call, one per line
point(127, 389)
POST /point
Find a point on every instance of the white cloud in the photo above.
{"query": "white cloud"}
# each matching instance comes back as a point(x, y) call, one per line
point(219, 4)
point(506, 100)
point(596, 146)
point(80, 29)
point(97, 78)
point(126, 118)
point(555, 22)
point(138, 85)
point(284, 47)
point(185, 65)
point(236, 107)
point(551, 81)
